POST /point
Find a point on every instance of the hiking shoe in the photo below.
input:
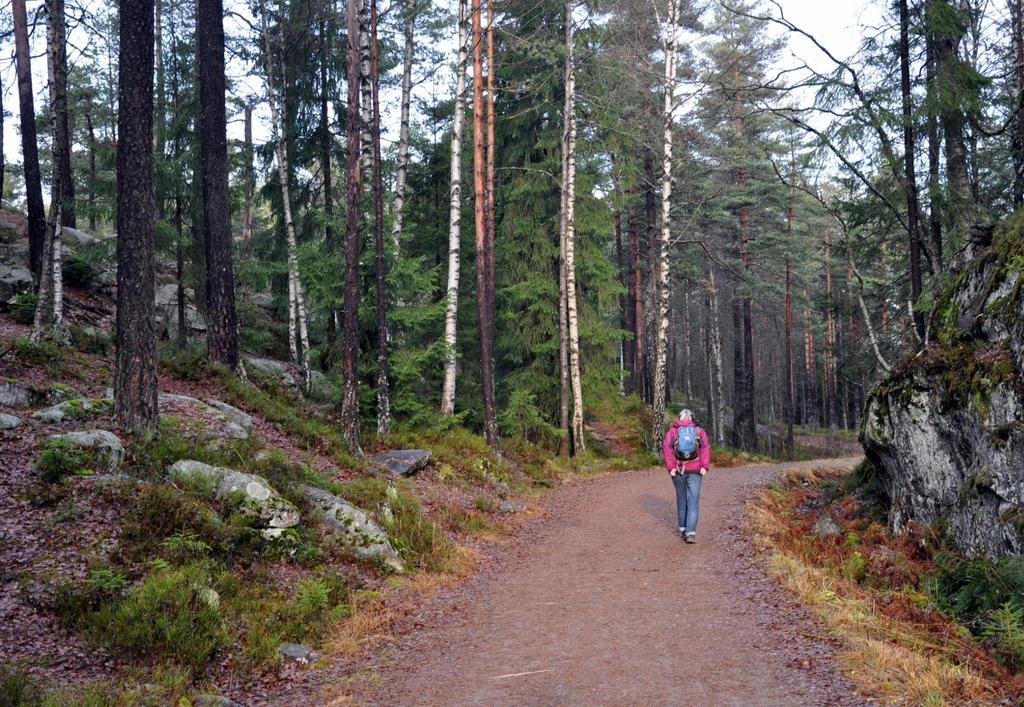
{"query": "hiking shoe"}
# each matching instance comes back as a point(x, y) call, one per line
point(691, 538)
point(682, 532)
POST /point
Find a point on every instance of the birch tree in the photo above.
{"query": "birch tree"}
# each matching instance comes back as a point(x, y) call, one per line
point(298, 335)
point(383, 327)
point(661, 323)
point(569, 234)
point(408, 55)
point(451, 314)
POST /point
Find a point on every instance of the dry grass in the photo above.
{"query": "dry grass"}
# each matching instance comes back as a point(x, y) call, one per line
point(897, 649)
point(369, 625)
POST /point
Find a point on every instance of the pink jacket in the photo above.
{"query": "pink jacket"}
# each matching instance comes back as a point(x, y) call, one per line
point(668, 448)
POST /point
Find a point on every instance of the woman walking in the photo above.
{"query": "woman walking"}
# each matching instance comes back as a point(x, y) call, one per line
point(687, 453)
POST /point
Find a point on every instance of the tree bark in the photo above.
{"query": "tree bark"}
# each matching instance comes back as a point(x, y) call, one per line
point(57, 68)
point(831, 388)
point(326, 144)
point(403, 131)
point(934, 157)
point(482, 239)
point(716, 357)
point(383, 326)
point(298, 334)
point(135, 379)
point(29, 143)
point(661, 299)
point(250, 176)
point(623, 323)
point(810, 416)
point(789, 400)
point(948, 32)
point(353, 240)
point(572, 309)
point(638, 312)
point(211, 124)
point(913, 212)
point(451, 315)
point(1017, 138)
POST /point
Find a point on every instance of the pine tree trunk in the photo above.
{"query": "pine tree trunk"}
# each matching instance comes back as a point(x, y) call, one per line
point(687, 350)
point(3, 161)
point(661, 299)
point(789, 398)
point(934, 158)
point(91, 132)
point(1017, 138)
point(623, 323)
point(250, 176)
point(211, 125)
point(572, 310)
point(326, 144)
point(383, 327)
point(947, 41)
point(451, 315)
point(29, 144)
point(628, 275)
point(810, 415)
point(398, 206)
point(913, 213)
point(716, 357)
point(57, 68)
point(135, 379)
point(353, 240)
point(638, 313)
point(482, 239)
point(298, 335)
point(831, 388)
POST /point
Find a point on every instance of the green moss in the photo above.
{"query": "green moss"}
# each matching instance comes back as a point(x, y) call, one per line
point(60, 458)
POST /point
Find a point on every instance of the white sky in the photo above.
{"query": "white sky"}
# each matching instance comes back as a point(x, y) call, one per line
point(838, 24)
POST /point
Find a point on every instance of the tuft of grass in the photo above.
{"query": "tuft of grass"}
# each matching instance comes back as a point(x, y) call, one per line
point(420, 541)
point(22, 307)
point(18, 688)
point(60, 459)
point(170, 616)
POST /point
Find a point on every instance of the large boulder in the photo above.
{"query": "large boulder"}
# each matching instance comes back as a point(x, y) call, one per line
point(230, 422)
point(9, 422)
point(403, 462)
point(165, 300)
point(357, 531)
point(75, 408)
point(269, 369)
point(252, 494)
point(241, 419)
point(945, 428)
point(14, 280)
point(105, 445)
point(16, 395)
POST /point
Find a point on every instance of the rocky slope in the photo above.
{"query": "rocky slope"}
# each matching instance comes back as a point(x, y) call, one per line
point(945, 429)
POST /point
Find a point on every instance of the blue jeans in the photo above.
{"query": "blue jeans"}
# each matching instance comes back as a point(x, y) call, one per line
point(687, 499)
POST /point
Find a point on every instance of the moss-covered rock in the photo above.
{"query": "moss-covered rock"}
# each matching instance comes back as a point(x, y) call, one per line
point(946, 426)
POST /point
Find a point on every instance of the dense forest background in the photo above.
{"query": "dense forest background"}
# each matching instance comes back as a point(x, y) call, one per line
point(635, 201)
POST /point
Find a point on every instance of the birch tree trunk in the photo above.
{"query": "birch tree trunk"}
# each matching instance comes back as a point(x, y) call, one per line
point(403, 131)
point(451, 315)
point(661, 299)
point(383, 327)
point(29, 142)
point(572, 310)
point(353, 241)
point(298, 335)
point(250, 176)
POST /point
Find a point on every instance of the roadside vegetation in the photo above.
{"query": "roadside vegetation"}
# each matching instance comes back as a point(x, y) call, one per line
point(920, 626)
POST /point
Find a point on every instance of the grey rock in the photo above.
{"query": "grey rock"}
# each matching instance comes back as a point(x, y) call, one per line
point(321, 388)
point(512, 507)
point(403, 462)
point(256, 498)
point(826, 526)
point(9, 422)
point(296, 653)
point(267, 368)
point(75, 236)
point(165, 300)
point(79, 407)
point(211, 700)
point(16, 395)
point(236, 416)
point(262, 299)
point(948, 443)
point(14, 280)
point(365, 538)
point(108, 447)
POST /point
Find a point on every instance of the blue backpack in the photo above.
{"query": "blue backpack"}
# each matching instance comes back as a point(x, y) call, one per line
point(687, 444)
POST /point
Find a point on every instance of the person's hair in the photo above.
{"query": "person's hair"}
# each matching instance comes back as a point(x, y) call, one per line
point(686, 414)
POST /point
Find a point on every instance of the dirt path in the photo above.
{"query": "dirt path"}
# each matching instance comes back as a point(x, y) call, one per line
point(605, 605)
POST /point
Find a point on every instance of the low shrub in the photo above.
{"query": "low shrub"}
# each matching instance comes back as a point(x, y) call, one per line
point(18, 688)
point(60, 459)
point(22, 307)
point(173, 615)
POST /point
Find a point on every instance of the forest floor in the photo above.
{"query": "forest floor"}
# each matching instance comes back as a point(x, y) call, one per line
point(599, 601)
